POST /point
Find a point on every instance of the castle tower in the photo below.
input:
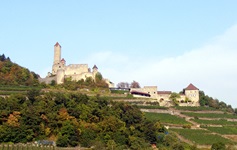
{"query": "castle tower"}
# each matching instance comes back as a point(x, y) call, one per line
point(57, 58)
point(57, 53)
point(192, 93)
point(95, 71)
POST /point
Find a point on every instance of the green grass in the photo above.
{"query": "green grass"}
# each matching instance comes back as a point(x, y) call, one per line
point(201, 108)
point(13, 89)
point(119, 91)
point(152, 107)
point(12, 92)
point(214, 122)
point(210, 115)
point(165, 118)
point(201, 137)
point(223, 130)
point(17, 88)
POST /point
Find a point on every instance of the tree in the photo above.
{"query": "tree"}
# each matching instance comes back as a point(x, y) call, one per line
point(135, 84)
point(236, 111)
point(123, 85)
point(2, 57)
point(174, 96)
point(98, 77)
point(203, 99)
point(32, 94)
point(218, 146)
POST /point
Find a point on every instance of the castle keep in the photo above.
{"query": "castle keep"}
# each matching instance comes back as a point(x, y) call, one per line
point(76, 72)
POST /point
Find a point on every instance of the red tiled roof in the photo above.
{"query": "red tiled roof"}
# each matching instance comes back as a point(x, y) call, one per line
point(141, 93)
point(164, 92)
point(57, 44)
point(191, 87)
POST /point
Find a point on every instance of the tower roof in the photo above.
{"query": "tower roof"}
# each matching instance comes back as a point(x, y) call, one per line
point(63, 60)
point(95, 67)
point(57, 44)
point(191, 87)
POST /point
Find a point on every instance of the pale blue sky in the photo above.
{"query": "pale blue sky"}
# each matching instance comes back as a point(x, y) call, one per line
point(168, 43)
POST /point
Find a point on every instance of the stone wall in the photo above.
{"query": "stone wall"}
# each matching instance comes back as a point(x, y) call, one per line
point(75, 69)
point(47, 80)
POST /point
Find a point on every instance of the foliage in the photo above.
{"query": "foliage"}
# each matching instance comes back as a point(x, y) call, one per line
point(74, 119)
point(218, 146)
point(223, 130)
point(214, 122)
point(165, 118)
point(210, 115)
point(119, 91)
point(152, 107)
point(134, 84)
point(89, 83)
point(202, 137)
point(123, 85)
point(13, 74)
point(174, 96)
point(205, 100)
point(200, 108)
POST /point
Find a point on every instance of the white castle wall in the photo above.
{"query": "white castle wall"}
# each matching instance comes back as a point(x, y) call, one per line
point(76, 69)
point(192, 95)
point(77, 77)
point(60, 76)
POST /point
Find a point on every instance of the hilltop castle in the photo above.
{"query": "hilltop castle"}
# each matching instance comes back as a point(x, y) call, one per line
point(76, 72)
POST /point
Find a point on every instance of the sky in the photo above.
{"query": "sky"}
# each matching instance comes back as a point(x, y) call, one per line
point(164, 43)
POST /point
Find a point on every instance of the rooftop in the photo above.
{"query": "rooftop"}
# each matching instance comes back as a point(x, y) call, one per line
point(57, 44)
point(191, 87)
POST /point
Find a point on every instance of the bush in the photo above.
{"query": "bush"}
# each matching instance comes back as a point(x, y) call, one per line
point(218, 146)
point(187, 126)
point(62, 141)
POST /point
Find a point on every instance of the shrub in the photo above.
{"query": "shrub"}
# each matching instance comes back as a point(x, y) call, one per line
point(218, 146)
point(187, 126)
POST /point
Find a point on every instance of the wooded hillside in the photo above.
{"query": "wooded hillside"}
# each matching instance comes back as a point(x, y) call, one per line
point(13, 74)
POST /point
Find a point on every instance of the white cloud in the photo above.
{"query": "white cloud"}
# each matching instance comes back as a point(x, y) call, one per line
point(212, 68)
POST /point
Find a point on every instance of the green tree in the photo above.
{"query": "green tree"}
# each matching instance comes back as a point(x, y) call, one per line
point(174, 97)
point(62, 141)
point(218, 146)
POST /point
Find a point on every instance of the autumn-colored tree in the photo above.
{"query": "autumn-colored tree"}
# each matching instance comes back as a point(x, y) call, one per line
point(135, 84)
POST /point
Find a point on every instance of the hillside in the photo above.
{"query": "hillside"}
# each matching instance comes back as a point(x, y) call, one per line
point(202, 126)
point(86, 113)
point(13, 74)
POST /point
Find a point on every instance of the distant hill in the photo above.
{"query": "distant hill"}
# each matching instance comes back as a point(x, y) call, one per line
point(13, 74)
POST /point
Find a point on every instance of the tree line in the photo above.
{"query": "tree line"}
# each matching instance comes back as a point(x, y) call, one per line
point(77, 119)
point(13, 74)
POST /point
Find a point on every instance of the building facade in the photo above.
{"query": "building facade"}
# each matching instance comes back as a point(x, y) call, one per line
point(189, 96)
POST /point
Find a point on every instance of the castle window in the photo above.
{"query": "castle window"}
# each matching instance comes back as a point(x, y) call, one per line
point(59, 66)
point(74, 72)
